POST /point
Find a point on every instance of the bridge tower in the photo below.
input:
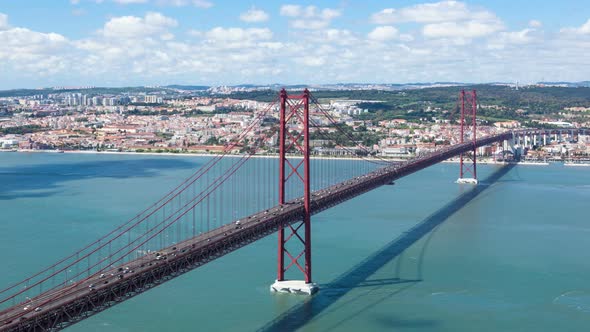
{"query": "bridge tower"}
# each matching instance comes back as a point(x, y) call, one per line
point(468, 166)
point(294, 140)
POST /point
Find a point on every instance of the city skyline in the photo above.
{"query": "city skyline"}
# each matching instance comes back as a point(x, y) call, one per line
point(213, 42)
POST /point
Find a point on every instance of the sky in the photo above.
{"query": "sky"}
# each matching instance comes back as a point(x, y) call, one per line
point(223, 42)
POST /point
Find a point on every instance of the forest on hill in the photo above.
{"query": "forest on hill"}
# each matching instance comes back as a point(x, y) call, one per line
point(518, 104)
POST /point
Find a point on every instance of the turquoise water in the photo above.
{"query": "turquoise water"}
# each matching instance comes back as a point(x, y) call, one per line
point(511, 256)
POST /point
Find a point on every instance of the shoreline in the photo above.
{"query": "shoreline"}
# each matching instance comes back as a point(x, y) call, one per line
point(181, 154)
point(493, 162)
point(274, 156)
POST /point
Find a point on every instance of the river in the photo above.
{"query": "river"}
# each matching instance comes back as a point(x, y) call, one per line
point(510, 256)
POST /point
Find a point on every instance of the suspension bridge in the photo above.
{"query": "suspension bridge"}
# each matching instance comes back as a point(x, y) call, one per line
point(232, 200)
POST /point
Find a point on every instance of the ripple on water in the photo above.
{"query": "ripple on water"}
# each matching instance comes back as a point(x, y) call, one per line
point(575, 300)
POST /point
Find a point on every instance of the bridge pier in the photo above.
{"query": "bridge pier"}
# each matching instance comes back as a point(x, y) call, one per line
point(468, 161)
point(297, 287)
point(293, 108)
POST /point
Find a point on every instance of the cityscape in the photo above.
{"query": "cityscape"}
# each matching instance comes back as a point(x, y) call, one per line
point(278, 166)
point(173, 120)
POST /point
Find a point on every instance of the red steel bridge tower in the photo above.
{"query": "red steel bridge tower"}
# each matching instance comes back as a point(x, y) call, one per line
point(294, 171)
point(468, 167)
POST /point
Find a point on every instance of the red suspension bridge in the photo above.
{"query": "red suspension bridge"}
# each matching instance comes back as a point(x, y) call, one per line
point(231, 201)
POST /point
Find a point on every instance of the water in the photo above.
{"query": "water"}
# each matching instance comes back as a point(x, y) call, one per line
point(510, 257)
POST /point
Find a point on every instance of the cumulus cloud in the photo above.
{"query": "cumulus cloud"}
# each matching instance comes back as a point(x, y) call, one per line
point(152, 24)
point(383, 33)
point(33, 53)
point(445, 19)
point(312, 61)
point(310, 17)
point(235, 34)
point(340, 37)
point(518, 37)
point(143, 49)
point(431, 13)
point(290, 10)
point(582, 30)
point(471, 29)
point(513, 38)
point(254, 15)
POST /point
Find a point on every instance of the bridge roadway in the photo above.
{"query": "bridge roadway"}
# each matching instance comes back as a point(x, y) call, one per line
point(57, 309)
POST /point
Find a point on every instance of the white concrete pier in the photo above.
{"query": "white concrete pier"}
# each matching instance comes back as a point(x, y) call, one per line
point(294, 287)
point(466, 181)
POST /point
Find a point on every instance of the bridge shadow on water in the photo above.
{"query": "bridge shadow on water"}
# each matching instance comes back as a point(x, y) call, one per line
point(301, 314)
point(43, 180)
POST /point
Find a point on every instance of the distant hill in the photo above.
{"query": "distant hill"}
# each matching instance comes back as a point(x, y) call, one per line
point(89, 91)
point(521, 104)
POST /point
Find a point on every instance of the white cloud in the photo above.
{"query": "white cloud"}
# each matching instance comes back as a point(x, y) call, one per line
point(383, 33)
point(406, 37)
point(506, 39)
point(582, 30)
point(535, 24)
point(195, 33)
point(33, 53)
point(468, 30)
point(312, 61)
point(329, 14)
point(238, 34)
point(431, 13)
point(74, 2)
point(143, 49)
point(290, 10)
point(254, 15)
point(445, 19)
point(333, 36)
point(152, 24)
point(518, 37)
point(309, 24)
point(309, 17)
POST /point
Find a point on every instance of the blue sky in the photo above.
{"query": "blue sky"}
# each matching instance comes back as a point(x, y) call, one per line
point(152, 42)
